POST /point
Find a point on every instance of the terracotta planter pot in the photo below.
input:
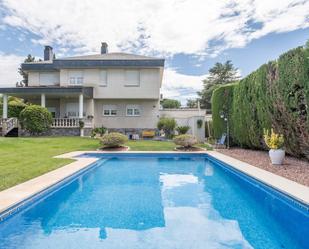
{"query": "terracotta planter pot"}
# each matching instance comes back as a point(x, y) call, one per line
point(277, 156)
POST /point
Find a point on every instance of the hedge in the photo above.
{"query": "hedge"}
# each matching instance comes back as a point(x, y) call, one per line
point(274, 96)
point(14, 109)
point(221, 101)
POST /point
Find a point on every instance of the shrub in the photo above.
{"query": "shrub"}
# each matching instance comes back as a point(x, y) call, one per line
point(113, 139)
point(167, 125)
point(185, 140)
point(14, 109)
point(98, 131)
point(35, 119)
point(183, 129)
point(81, 124)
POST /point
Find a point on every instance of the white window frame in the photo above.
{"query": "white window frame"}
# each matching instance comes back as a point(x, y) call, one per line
point(76, 78)
point(103, 78)
point(136, 110)
point(128, 81)
point(111, 110)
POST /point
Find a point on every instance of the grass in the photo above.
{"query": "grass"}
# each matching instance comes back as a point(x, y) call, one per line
point(22, 159)
point(149, 145)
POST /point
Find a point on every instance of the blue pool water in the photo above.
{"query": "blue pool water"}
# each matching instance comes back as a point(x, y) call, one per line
point(158, 201)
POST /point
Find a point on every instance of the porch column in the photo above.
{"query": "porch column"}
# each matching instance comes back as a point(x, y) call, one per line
point(81, 105)
point(5, 106)
point(43, 100)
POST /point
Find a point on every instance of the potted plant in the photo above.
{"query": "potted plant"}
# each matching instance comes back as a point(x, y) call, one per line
point(275, 142)
point(199, 123)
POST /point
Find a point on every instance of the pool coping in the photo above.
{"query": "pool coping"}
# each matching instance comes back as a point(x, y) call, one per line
point(15, 195)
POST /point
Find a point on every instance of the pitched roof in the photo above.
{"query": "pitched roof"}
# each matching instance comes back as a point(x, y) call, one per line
point(111, 56)
point(95, 61)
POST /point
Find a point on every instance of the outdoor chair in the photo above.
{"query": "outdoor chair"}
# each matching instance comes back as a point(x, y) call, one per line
point(221, 142)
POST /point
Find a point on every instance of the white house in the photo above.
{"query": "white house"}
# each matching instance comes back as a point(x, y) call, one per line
point(117, 90)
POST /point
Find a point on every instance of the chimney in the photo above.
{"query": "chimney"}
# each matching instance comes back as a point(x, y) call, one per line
point(48, 53)
point(104, 49)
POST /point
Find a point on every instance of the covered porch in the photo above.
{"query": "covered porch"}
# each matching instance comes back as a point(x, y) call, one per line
point(68, 105)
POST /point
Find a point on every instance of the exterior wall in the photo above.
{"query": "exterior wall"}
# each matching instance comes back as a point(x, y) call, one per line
point(149, 87)
point(182, 113)
point(147, 120)
point(198, 132)
point(188, 117)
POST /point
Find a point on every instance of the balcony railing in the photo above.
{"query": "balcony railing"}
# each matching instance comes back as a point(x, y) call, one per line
point(70, 123)
point(65, 123)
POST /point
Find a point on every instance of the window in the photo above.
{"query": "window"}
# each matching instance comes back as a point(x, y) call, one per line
point(109, 110)
point(72, 110)
point(133, 110)
point(132, 77)
point(49, 79)
point(103, 78)
point(76, 78)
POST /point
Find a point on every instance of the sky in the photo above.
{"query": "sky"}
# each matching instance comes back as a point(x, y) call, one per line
point(192, 35)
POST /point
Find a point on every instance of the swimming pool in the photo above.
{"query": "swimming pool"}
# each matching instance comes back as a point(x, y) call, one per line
point(158, 201)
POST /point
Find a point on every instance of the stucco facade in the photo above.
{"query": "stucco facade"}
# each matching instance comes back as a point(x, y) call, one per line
point(115, 90)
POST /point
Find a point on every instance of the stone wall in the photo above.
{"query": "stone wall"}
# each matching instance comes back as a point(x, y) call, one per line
point(58, 132)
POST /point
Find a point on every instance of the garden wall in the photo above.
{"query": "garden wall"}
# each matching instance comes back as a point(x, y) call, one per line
point(276, 95)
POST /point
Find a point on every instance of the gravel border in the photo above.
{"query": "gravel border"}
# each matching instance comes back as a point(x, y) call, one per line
point(293, 168)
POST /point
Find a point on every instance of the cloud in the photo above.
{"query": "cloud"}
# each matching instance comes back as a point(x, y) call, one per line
point(181, 86)
point(200, 28)
point(155, 27)
point(9, 65)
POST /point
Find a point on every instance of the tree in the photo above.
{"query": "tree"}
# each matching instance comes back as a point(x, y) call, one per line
point(170, 103)
point(24, 81)
point(192, 103)
point(167, 125)
point(219, 74)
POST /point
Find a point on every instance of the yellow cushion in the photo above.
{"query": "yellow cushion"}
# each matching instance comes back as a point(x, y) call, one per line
point(148, 133)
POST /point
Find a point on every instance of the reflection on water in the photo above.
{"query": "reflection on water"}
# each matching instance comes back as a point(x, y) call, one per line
point(144, 203)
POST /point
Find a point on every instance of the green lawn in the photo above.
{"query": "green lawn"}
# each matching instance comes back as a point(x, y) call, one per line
point(148, 145)
point(24, 158)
